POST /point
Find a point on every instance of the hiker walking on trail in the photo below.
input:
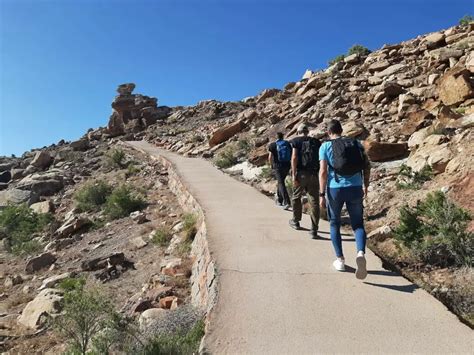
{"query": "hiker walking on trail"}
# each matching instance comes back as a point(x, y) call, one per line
point(345, 168)
point(279, 158)
point(304, 171)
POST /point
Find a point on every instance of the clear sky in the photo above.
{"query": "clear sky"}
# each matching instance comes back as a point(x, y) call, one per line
point(61, 60)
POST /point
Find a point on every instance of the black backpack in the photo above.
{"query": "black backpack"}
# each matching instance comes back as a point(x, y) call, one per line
point(309, 154)
point(348, 158)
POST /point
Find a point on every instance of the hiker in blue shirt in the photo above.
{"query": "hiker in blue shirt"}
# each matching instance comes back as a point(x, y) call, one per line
point(344, 179)
point(279, 158)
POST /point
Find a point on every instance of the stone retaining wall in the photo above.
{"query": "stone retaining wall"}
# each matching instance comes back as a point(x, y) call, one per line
point(204, 275)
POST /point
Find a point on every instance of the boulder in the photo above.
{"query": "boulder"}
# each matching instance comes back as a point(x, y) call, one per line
point(39, 262)
point(80, 145)
point(434, 40)
point(42, 160)
point(380, 234)
point(43, 184)
point(138, 217)
point(419, 136)
point(224, 133)
point(353, 129)
point(414, 121)
point(17, 196)
point(115, 127)
point(437, 156)
point(150, 317)
point(126, 89)
point(47, 302)
point(352, 59)
point(378, 151)
point(5, 176)
point(170, 302)
point(267, 93)
point(307, 74)
point(71, 226)
point(454, 86)
point(470, 62)
point(42, 207)
point(52, 281)
point(391, 70)
point(138, 243)
point(379, 66)
point(258, 157)
point(391, 89)
point(445, 54)
point(17, 173)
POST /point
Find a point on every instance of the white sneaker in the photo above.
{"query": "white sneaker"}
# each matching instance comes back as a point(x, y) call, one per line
point(361, 272)
point(339, 265)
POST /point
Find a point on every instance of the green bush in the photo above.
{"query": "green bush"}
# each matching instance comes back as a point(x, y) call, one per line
point(189, 232)
point(182, 343)
point(436, 231)
point(123, 201)
point(412, 180)
point(92, 196)
point(71, 284)
point(266, 172)
point(337, 59)
point(244, 145)
point(117, 158)
point(226, 158)
point(358, 49)
point(466, 20)
point(162, 236)
point(20, 224)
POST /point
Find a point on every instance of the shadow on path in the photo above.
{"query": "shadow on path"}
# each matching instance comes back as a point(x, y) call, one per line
point(401, 288)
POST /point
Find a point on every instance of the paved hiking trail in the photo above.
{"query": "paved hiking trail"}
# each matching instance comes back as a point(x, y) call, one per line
point(278, 292)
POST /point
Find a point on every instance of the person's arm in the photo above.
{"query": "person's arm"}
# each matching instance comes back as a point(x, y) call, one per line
point(323, 181)
point(366, 175)
point(294, 164)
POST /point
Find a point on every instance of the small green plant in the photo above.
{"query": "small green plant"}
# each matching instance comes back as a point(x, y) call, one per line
point(132, 169)
point(162, 236)
point(435, 230)
point(358, 49)
point(123, 201)
point(266, 172)
point(244, 145)
point(181, 342)
point(117, 158)
point(92, 196)
point(20, 224)
point(189, 232)
point(337, 59)
point(226, 158)
point(71, 284)
point(412, 180)
point(466, 20)
point(460, 110)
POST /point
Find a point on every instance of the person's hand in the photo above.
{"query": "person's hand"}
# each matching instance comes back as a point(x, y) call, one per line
point(366, 191)
point(322, 202)
point(295, 181)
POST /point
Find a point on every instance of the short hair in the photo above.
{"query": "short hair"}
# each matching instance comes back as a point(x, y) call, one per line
point(280, 135)
point(334, 127)
point(302, 128)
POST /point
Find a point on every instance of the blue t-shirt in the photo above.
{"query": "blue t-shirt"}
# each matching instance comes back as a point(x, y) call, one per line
point(325, 153)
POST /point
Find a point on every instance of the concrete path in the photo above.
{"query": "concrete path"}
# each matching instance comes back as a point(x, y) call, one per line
point(278, 293)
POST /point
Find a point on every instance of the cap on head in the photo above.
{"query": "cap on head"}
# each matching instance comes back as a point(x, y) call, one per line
point(302, 128)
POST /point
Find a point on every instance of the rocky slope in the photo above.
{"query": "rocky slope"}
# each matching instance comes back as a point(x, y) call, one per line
point(411, 103)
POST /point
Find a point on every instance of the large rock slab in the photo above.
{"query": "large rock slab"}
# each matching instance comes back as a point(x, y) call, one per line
point(378, 151)
point(436, 156)
point(224, 133)
point(71, 226)
point(16, 196)
point(454, 87)
point(47, 302)
point(42, 159)
point(39, 262)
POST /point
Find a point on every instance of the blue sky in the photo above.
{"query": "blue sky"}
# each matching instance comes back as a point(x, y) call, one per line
point(62, 60)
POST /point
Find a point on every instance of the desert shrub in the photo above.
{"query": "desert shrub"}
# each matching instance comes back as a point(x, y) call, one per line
point(117, 158)
point(92, 196)
point(132, 169)
point(412, 180)
point(162, 236)
point(180, 342)
point(466, 20)
point(244, 145)
point(266, 172)
point(189, 232)
point(123, 201)
point(20, 224)
point(435, 230)
point(358, 49)
point(226, 158)
point(336, 59)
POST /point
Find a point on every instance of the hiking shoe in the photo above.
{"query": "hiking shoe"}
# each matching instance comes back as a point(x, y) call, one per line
point(294, 224)
point(361, 271)
point(285, 207)
point(339, 265)
point(314, 234)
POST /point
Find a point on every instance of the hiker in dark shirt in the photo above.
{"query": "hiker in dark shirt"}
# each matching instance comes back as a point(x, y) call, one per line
point(304, 170)
point(279, 158)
